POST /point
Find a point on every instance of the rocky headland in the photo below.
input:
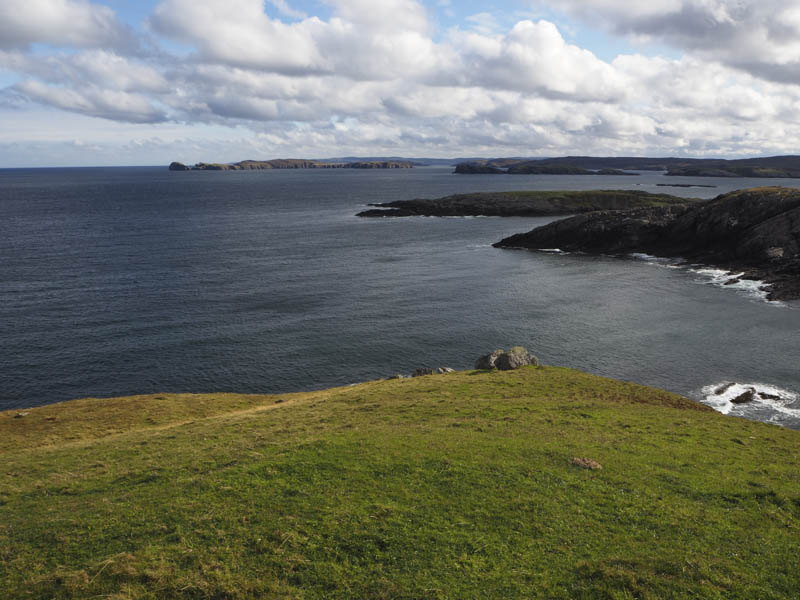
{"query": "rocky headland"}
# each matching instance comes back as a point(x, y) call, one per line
point(290, 163)
point(523, 204)
point(754, 231)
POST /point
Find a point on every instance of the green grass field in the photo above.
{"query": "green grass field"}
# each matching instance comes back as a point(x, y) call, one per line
point(445, 486)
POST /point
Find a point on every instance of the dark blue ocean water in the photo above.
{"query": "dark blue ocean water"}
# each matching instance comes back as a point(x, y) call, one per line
point(139, 280)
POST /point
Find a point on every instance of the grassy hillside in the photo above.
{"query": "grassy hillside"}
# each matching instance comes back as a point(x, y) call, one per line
point(445, 486)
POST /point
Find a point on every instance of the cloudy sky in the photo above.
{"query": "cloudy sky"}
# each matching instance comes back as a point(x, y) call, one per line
point(138, 82)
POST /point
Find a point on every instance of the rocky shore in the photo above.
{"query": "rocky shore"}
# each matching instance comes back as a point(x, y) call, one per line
point(524, 204)
point(754, 231)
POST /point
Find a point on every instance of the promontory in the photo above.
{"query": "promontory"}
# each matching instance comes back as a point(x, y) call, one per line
point(755, 231)
point(523, 204)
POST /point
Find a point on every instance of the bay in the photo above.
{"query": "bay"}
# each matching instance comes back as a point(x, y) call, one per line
point(140, 280)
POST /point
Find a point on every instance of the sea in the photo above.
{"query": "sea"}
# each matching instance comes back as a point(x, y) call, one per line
point(121, 281)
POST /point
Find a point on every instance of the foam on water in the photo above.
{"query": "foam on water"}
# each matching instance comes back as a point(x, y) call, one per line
point(655, 260)
point(751, 288)
point(712, 276)
point(779, 405)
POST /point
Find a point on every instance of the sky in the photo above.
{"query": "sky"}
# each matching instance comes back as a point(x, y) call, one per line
point(137, 82)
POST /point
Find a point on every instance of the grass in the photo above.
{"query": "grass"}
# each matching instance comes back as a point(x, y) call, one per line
point(444, 486)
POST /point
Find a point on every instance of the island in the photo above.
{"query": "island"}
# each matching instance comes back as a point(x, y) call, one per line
point(772, 166)
point(754, 231)
point(524, 204)
point(289, 163)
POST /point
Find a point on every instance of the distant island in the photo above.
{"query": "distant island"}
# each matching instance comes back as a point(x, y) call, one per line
point(754, 231)
point(524, 204)
point(534, 168)
point(772, 166)
point(290, 163)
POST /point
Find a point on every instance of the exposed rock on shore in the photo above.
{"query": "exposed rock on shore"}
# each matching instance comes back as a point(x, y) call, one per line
point(507, 361)
point(524, 204)
point(756, 231)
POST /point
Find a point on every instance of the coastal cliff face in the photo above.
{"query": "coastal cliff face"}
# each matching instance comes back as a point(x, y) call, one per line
point(755, 230)
point(288, 163)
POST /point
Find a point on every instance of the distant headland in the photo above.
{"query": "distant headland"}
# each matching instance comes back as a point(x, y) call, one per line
point(290, 163)
point(771, 166)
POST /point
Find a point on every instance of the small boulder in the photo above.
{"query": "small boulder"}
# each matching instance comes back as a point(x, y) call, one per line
point(723, 388)
point(487, 361)
point(422, 371)
point(586, 463)
point(766, 396)
point(515, 358)
point(506, 361)
point(398, 376)
point(744, 397)
point(21, 415)
point(443, 370)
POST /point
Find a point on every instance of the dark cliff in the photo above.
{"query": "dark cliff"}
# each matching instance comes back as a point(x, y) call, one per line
point(755, 230)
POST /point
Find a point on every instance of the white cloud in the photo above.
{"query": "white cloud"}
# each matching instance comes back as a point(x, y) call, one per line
point(761, 37)
point(92, 101)
point(374, 78)
point(533, 57)
point(60, 23)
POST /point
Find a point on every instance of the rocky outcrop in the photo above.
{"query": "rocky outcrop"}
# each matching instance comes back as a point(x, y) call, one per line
point(176, 166)
point(756, 231)
point(744, 397)
point(507, 361)
point(524, 204)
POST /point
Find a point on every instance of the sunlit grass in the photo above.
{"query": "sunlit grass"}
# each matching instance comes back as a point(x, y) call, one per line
point(445, 486)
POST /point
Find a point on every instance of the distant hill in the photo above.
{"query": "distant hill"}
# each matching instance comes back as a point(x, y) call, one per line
point(770, 166)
